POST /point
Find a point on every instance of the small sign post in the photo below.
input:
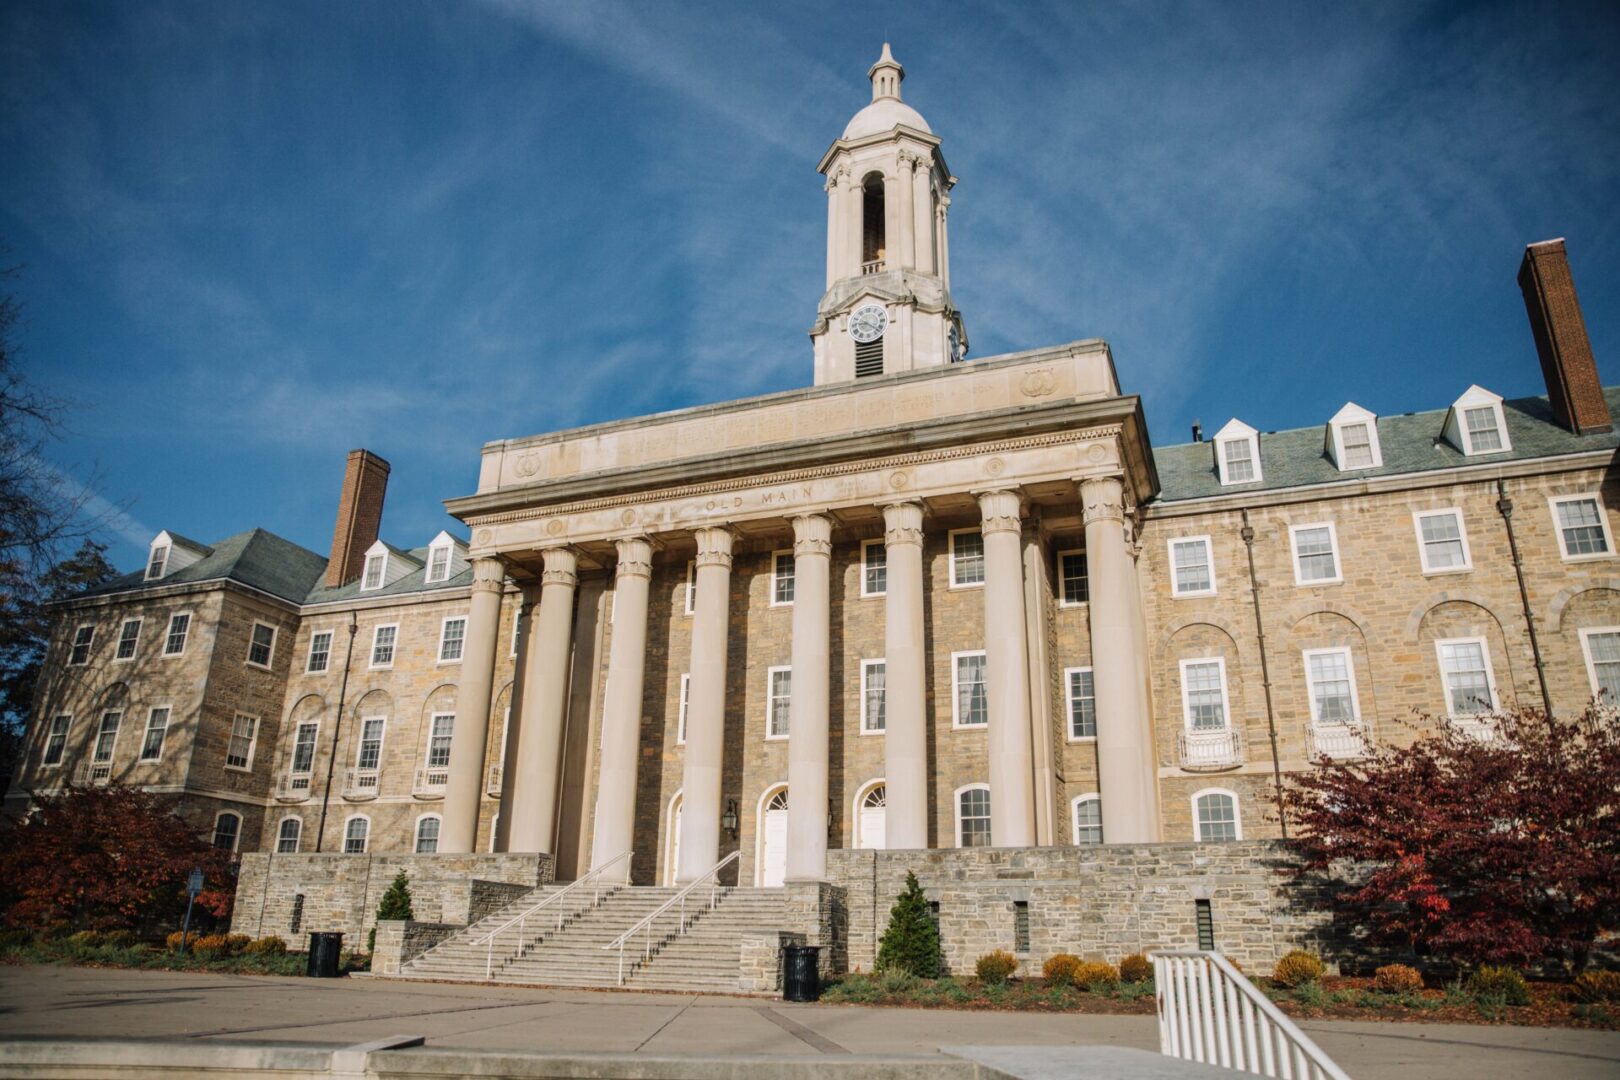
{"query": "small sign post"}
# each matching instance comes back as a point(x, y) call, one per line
point(194, 885)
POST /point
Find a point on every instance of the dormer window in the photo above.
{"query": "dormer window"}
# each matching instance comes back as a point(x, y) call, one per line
point(1484, 432)
point(158, 560)
point(1476, 423)
point(375, 564)
point(446, 557)
point(438, 563)
point(1353, 439)
point(1237, 453)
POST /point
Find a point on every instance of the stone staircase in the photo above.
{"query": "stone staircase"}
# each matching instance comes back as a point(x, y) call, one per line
point(705, 958)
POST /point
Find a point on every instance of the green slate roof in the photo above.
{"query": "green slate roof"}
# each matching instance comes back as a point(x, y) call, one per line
point(258, 559)
point(413, 582)
point(1411, 443)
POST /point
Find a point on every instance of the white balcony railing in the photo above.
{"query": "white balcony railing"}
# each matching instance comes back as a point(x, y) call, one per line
point(93, 773)
point(1480, 727)
point(1347, 741)
point(873, 267)
point(492, 782)
point(431, 782)
point(360, 784)
point(1220, 748)
point(293, 787)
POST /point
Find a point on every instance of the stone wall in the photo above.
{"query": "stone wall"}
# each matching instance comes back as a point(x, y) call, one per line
point(400, 941)
point(1102, 902)
point(341, 892)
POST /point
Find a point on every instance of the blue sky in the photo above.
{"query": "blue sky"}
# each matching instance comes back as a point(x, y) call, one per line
point(258, 235)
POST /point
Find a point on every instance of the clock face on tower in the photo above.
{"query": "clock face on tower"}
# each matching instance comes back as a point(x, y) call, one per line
point(867, 323)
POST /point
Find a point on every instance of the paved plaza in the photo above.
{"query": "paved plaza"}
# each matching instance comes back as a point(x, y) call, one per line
point(60, 1002)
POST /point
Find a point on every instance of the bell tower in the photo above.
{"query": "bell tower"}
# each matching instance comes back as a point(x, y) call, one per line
point(888, 306)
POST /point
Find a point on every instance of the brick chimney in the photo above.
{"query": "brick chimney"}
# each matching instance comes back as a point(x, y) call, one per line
point(1573, 386)
point(359, 516)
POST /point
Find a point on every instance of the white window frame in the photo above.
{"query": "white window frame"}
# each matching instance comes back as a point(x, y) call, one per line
point(236, 839)
point(777, 559)
point(101, 729)
point(1456, 513)
point(1237, 814)
point(681, 707)
point(1310, 685)
point(1068, 704)
point(1236, 430)
point(429, 577)
point(331, 639)
point(360, 743)
point(1476, 397)
point(1350, 416)
point(185, 635)
point(1176, 591)
point(866, 667)
point(89, 644)
point(956, 691)
point(158, 556)
point(135, 642)
point(269, 659)
point(365, 841)
point(378, 559)
point(1490, 673)
point(770, 701)
point(1553, 503)
point(314, 748)
point(416, 833)
point(1591, 668)
point(956, 811)
point(1074, 822)
point(517, 626)
point(1333, 543)
point(950, 540)
point(45, 750)
point(689, 603)
point(1063, 580)
point(427, 754)
point(444, 630)
point(1186, 699)
point(393, 653)
point(298, 840)
point(253, 743)
point(866, 546)
point(146, 734)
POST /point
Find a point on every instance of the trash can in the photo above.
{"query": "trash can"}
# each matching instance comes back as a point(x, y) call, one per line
point(325, 955)
point(801, 973)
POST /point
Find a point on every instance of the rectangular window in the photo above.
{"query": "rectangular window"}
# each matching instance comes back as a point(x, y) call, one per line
point(1192, 567)
point(874, 568)
point(1239, 457)
point(1021, 926)
point(371, 740)
point(517, 628)
point(1357, 442)
point(303, 756)
point(1203, 694)
point(1603, 663)
point(157, 725)
point(287, 835)
point(1332, 685)
point(354, 836)
point(967, 557)
point(970, 705)
point(1465, 667)
point(973, 818)
point(680, 721)
point(1204, 919)
point(438, 563)
point(244, 731)
point(129, 636)
point(382, 646)
point(1072, 583)
point(691, 587)
point(179, 626)
point(107, 736)
point(83, 638)
point(1088, 820)
point(781, 577)
point(262, 646)
point(780, 704)
point(158, 560)
point(439, 740)
point(320, 652)
point(1442, 543)
point(1082, 704)
point(1583, 528)
point(451, 639)
point(874, 696)
point(1483, 433)
point(56, 740)
point(375, 565)
point(1316, 557)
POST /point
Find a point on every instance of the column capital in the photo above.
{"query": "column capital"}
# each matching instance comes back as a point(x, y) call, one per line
point(635, 557)
point(561, 564)
point(902, 523)
point(714, 545)
point(529, 594)
point(812, 535)
point(1102, 498)
point(489, 575)
point(1000, 511)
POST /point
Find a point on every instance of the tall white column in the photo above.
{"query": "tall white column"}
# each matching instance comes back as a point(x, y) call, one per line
point(458, 832)
point(922, 211)
point(854, 220)
point(905, 247)
point(807, 716)
point(706, 706)
point(1129, 803)
point(523, 649)
point(621, 708)
point(1012, 796)
point(905, 738)
point(944, 242)
point(835, 225)
point(534, 781)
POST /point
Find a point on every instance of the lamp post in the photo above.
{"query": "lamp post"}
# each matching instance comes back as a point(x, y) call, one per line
point(194, 885)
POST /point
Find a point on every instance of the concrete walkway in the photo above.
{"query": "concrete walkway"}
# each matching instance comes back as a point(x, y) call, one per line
point(60, 1002)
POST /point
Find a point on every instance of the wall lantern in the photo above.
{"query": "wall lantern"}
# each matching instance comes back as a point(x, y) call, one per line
point(728, 820)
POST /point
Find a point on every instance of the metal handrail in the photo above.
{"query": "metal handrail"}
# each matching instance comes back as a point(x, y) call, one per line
point(1209, 1012)
point(712, 876)
point(520, 920)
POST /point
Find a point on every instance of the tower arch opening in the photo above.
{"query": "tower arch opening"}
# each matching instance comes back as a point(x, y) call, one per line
point(873, 241)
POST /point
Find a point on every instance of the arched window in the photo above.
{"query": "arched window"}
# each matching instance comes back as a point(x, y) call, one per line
point(227, 827)
point(872, 239)
point(288, 835)
point(973, 816)
point(355, 833)
point(1088, 820)
point(1215, 812)
point(427, 834)
point(871, 811)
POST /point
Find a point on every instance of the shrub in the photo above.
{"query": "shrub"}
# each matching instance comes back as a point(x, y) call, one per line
point(172, 942)
point(265, 946)
point(1096, 976)
point(1297, 968)
point(1060, 969)
point(87, 939)
point(911, 942)
point(211, 945)
point(15, 938)
point(236, 943)
point(995, 968)
point(1502, 984)
point(1135, 968)
point(896, 981)
point(1310, 994)
point(1397, 979)
point(120, 939)
point(1594, 986)
point(395, 904)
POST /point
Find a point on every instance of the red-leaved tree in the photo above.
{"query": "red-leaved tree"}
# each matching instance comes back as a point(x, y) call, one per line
point(1479, 843)
point(108, 857)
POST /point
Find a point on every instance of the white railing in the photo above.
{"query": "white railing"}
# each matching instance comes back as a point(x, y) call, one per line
point(1480, 727)
point(360, 783)
point(293, 787)
point(1209, 1012)
point(873, 267)
point(93, 773)
point(677, 904)
point(1345, 741)
point(492, 783)
point(1220, 748)
point(521, 919)
point(430, 783)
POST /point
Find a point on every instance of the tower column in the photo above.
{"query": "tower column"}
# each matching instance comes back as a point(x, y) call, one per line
point(706, 706)
point(458, 833)
point(807, 716)
point(905, 736)
point(944, 242)
point(1010, 753)
point(853, 218)
point(834, 226)
point(534, 779)
point(621, 708)
point(922, 211)
point(906, 242)
point(523, 648)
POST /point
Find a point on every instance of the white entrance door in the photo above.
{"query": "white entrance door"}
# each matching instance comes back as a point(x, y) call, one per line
point(773, 835)
point(872, 814)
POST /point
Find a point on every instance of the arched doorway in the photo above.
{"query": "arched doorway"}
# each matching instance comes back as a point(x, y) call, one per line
point(870, 816)
point(773, 832)
point(672, 839)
